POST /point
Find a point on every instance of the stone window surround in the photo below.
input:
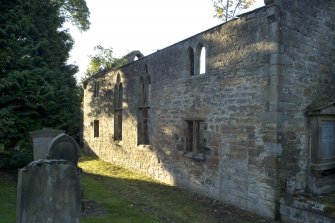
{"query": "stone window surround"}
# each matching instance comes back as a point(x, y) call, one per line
point(193, 152)
point(195, 64)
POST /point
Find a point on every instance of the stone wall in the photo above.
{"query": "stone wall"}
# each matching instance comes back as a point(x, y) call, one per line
point(262, 71)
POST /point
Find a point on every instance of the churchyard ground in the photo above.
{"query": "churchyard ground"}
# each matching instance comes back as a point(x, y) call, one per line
point(112, 193)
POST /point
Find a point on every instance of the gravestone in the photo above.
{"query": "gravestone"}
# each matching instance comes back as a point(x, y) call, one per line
point(41, 141)
point(63, 147)
point(48, 192)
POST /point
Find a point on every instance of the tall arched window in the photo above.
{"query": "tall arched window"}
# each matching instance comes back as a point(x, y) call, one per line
point(118, 94)
point(143, 122)
point(190, 61)
point(200, 59)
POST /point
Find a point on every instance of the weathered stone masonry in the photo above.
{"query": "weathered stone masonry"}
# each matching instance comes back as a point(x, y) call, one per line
point(239, 132)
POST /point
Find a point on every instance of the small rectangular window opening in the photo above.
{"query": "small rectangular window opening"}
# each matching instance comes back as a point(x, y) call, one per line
point(96, 128)
point(193, 136)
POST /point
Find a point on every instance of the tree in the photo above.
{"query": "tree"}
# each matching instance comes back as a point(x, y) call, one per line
point(37, 86)
point(228, 9)
point(76, 11)
point(103, 59)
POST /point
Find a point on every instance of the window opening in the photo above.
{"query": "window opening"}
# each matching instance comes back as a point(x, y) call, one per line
point(202, 60)
point(96, 89)
point(192, 138)
point(143, 123)
point(118, 94)
point(96, 128)
point(191, 61)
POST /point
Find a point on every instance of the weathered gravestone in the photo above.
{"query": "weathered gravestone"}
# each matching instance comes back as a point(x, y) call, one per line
point(63, 147)
point(54, 144)
point(41, 141)
point(48, 192)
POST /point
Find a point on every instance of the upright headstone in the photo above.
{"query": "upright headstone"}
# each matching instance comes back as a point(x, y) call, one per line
point(41, 141)
point(48, 192)
point(63, 147)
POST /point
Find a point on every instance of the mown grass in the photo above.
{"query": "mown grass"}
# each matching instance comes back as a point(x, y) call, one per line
point(162, 202)
point(115, 207)
point(123, 196)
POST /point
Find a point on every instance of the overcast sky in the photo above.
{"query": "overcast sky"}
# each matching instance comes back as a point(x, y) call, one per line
point(145, 25)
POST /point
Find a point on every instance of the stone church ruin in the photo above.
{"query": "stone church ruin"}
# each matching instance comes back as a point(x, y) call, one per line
point(243, 112)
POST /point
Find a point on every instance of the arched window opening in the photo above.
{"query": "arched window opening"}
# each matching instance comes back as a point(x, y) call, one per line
point(143, 113)
point(141, 93)
point(191, 61)
point(146, 69)
point(136, 58)
point(202, 60)
point(96, 89)
point(118, 97)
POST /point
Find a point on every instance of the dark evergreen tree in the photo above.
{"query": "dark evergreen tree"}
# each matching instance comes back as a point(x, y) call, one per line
point(37, 86)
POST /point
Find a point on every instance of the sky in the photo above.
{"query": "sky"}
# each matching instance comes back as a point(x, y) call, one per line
point(144, 25)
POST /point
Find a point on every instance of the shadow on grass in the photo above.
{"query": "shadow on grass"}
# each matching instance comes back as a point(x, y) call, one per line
point(7, 197)
point(117, 195)
point(143, 197)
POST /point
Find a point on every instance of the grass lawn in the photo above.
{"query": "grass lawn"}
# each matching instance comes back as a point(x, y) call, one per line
point(122, 196)
point(139, 196)
point(7, 198)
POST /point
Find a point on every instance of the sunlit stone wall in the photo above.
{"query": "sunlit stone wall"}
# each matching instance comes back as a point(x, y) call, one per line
point(262, 70)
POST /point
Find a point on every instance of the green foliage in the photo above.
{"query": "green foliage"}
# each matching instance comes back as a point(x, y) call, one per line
point(228, 9)
point(103, 59)
point(17, 159)
point(37, 86)
point(75, 11)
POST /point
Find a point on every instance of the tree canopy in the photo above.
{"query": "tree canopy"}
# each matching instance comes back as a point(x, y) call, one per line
point(37, 86)
point(102, 59)
point(228, 9)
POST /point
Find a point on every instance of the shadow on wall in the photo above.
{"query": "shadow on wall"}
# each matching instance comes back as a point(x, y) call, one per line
point(232, 54)
point(161, 202)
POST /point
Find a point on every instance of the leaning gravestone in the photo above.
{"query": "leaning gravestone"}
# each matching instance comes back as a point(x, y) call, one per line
point(63, 147)
point(41, 141)
point(48, 192)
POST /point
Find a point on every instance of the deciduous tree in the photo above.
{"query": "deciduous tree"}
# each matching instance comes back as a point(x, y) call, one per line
point(228, 9)
point(102, 59)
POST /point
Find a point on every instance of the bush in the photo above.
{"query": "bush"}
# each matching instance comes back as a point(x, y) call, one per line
point(18, 158)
